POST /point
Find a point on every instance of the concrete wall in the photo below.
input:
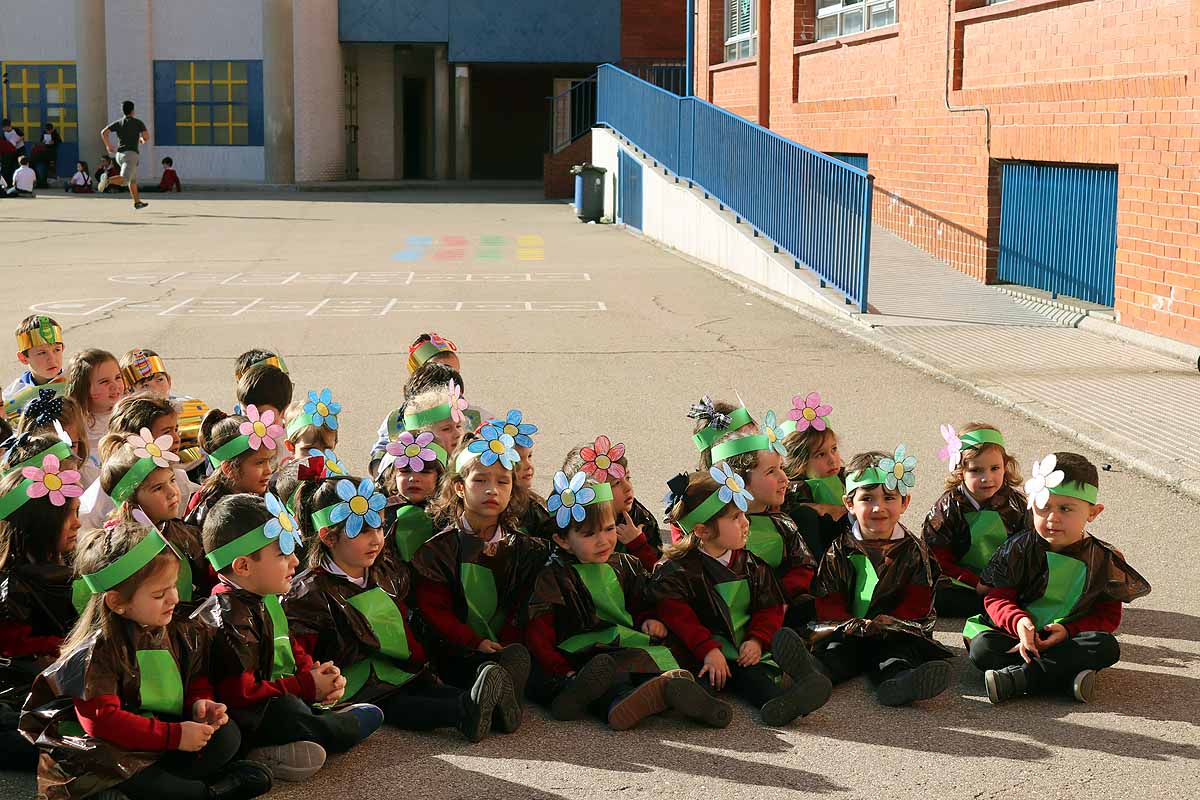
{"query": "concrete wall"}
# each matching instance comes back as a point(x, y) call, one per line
point(320, 112)
point(129, 38)
point(1097, 82)
point(40, 31)
point(376, 109)
point(683, 220)
point(214, 29)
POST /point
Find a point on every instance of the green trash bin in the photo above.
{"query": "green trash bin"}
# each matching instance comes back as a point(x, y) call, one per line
point(589, 192)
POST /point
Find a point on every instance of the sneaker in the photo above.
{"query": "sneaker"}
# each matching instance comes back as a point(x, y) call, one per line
point(1004, 684)
point(1084, 686)
point(241, 780)
point(645, 701)
point(920, 683)
point(476, 722)
point(584, 687)
point(506, 718)
point(515, 660)
point(369, 717)
point(139, 205)
point(294, 762)
point(103, 184)
point(694, 702)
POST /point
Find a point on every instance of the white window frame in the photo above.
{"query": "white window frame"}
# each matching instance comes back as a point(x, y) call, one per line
point(839, 11)
point(740, 45)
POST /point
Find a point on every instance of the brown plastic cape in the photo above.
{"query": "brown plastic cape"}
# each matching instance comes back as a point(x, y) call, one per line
point(536, 521)
point(819, 531)
point(242, 639)
point(1020, 563)
point(693, 577)
point(796, 552)
point(37, 595)
point(907, 563)
point(514, 561)
point(186, 539)
point(945, 525)
point(559, 588)
point(318, 608)
point(74, 765)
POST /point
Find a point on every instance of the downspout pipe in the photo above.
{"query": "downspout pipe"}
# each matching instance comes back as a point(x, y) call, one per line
point(690, 56)
point(987, 114)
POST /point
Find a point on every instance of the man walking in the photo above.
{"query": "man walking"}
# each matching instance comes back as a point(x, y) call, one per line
point(131, 132)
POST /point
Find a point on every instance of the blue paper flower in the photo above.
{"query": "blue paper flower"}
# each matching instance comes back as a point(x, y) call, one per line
point(282, 526)
point(733, 487)
point(322, 409)
point(899, 469)
point(515, 427)
point(334, 468)
point(360, 506)
point(495, 445)
point(774, 433)
point(569, 498)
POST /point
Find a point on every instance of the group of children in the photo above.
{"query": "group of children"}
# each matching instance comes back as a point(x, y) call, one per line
point(83, 182)
point(174, 641)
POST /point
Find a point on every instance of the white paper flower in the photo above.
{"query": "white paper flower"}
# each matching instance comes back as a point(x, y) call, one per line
point(146, 446)
point(1045, 477)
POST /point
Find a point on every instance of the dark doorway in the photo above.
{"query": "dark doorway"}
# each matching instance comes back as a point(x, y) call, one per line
point(414, 128)
point(508, 119)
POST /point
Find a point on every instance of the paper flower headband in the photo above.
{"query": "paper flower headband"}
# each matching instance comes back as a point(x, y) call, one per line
point(956, 445)
point(715, 422)
point(319, 410)
point(775, 432)
point(895, 473)
point(515, 426)
point(731, 489)
point(49, 481)
point(570, 497)
point(152, 454)
point(492, 445)
point(258, 431)
point(600, 460)
point(359, 507)
point(334, 468)
point(809, 412)
point(413, 452)
point(1047, 479)
point(281, 527)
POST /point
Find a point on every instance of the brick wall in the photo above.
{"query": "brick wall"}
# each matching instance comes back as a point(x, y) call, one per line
point(1074, 81)
point(320, 104)
point(653, 28)
point(557, 180)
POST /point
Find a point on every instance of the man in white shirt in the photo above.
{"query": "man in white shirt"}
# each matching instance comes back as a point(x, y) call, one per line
point(24, 179)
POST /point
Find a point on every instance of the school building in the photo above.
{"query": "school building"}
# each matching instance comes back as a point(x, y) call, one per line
point(1044, 143)
point(283, 91)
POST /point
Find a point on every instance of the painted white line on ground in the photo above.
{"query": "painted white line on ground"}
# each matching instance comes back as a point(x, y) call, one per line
point(395, 278)
point(303, 307)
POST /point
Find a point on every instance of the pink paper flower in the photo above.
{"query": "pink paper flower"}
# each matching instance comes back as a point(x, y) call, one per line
point(50, 482)
point(600, 460)
point(809, 412)
point(262, 429)
point(412, 452)
point(952, 452)
point(458, 403)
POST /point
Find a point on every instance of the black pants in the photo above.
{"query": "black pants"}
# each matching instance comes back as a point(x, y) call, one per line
point(1058, 666)
point(756, 685)
point(955, 601)
point(288, 719)
point(185, 776)
point(459, 666)
point(880, 659)
point(16, 753)
point(543, 689)
point(423, 705)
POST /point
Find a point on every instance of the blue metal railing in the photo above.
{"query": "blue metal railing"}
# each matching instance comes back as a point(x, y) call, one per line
point(814, 207)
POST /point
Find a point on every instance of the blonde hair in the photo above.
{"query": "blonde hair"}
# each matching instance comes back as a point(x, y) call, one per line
point(1012, 468)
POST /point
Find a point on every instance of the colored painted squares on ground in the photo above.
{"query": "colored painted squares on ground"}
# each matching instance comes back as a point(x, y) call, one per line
point(457, 249)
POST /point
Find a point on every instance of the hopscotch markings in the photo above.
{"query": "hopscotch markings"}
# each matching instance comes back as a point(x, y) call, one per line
point(527, 247)
point(325, 307)
point(344, 279)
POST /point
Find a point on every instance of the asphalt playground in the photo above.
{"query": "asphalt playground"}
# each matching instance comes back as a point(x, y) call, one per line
point(590, 329)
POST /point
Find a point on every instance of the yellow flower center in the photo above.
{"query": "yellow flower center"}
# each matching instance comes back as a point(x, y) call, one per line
point(358, 505)
point(323, 409)
point(496, 446)
point(568, 498)
point(413, 450)
point(511, 430)
point(285, 522)
point(334, 466)
point(53, 482)
point(603, 462)
point(771, 437)
point(260, 430)
point(732, 485)
point(898, 470)
point(154, 450)
point(810, 414)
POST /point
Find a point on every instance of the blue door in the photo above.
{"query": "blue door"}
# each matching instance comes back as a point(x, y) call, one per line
point(1058, 229)
point(39, 92)
point(629, 195)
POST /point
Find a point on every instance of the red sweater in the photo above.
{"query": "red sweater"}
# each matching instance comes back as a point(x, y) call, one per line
point(169, 181)
point(103, 718)
point(436, 602)
point(543, 644)
point(1001, 606)
point(945, 559)
point(914, 604)
point(17, 640)
point(699, 640)
point(640, 549)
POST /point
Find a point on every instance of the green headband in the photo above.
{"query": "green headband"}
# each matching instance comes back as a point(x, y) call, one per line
point(427, 351)
point(132, 480)
point(120, 570)
point(298, 423)
point(703, 512)
point(440, 452)
point(15, 498)
point(414, 422)
point(603, 493)
point(1079, 490)
point(981, 437)
point(739, 446)
point(871, 476)
point(705, 438)
point(59, 448)
point(244, 545)
point(231, 449)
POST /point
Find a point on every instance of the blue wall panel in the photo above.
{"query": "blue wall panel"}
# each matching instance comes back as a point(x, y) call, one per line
point(394, 20)
point(629, 194)
point(517, 31)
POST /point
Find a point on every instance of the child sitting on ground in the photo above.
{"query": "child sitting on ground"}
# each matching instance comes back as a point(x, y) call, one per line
point(411, 469)
point(240, 450)
point(263, 674)
point(1055, 593)
point(81, 181)
point(95, 382)
point(874, 590)
point(979, 510)
point(812, 460)
point(40, 350)
point(169, 181)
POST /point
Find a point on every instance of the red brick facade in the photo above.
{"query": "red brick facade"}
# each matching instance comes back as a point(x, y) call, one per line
point(1076, 81)
point(653, 28)
point(557, 181)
